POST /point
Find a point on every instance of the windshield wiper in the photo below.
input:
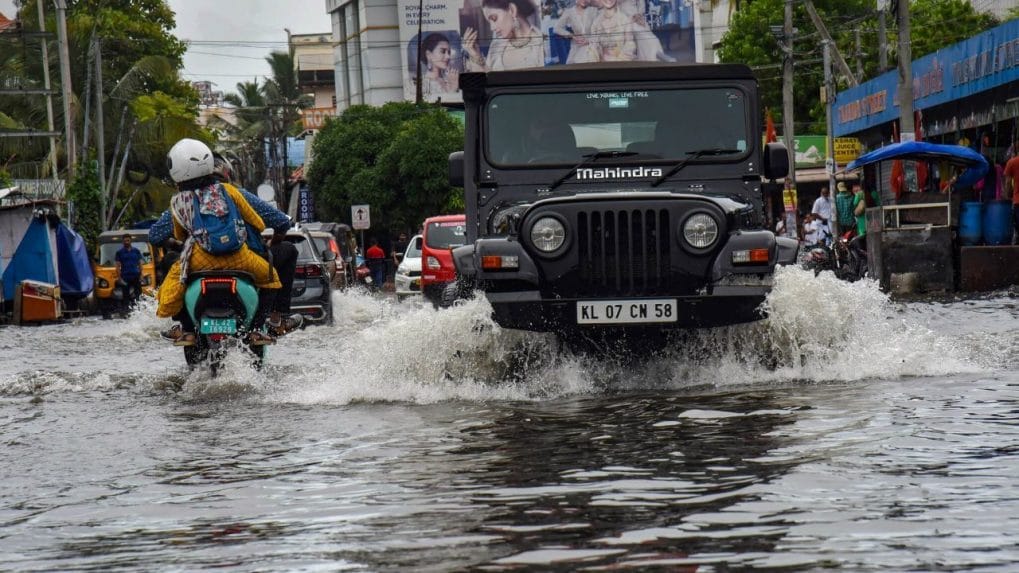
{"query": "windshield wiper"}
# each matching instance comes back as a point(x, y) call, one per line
point(691, 155)
point(589, 159)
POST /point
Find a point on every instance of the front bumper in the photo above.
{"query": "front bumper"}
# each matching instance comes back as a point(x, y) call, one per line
point(727, 305)
point(407, 285)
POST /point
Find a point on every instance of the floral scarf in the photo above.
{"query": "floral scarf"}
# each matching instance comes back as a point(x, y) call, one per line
point(210, 200)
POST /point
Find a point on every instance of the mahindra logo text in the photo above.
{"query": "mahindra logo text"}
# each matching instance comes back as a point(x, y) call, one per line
point(619, 173)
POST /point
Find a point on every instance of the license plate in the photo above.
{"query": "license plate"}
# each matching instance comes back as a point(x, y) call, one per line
point(647, 311)
point(218, 326)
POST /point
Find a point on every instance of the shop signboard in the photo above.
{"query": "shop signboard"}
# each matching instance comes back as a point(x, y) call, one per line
point(980, 63)
point(456, 37)
point(305, 204)
point(846, 149)
point(315, 118)
point(809, 150)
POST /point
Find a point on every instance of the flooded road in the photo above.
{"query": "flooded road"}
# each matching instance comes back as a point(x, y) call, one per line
point(845, 432)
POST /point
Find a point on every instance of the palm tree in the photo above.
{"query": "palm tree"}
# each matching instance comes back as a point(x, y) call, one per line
point(244, 138)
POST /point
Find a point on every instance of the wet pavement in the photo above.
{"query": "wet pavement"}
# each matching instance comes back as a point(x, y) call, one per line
point(845, 432)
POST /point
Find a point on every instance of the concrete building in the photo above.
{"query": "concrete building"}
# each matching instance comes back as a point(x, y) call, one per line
point(366, 52)
point(313, 57)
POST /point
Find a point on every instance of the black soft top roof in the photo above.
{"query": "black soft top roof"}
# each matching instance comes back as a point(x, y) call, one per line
point(604, 73)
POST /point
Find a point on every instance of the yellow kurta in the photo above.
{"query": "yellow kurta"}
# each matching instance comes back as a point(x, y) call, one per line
point(171, 293)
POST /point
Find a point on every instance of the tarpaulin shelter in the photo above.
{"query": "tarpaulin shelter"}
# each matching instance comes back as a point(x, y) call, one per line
point(73, 263)
point(33, 259)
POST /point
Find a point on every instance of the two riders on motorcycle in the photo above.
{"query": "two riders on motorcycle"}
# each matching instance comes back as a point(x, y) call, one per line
point(220, 227)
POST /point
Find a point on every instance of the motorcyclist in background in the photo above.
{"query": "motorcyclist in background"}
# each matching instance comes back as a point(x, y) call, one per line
point(211, 218)
point(282, 254)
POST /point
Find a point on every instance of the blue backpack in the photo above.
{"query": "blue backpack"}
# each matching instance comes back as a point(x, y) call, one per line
point(219, 235)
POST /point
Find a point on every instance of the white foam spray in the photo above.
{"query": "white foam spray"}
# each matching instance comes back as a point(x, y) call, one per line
point(819, 329)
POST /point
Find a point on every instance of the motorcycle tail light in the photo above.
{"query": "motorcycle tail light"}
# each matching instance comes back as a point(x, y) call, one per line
point(222, 281)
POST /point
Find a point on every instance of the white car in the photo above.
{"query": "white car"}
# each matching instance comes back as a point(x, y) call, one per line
point(408, 274)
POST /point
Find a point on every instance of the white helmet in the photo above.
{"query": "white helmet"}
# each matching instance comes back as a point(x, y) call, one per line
point(189, 159)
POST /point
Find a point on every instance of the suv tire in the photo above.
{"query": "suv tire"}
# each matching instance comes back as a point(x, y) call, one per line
point(456, 291)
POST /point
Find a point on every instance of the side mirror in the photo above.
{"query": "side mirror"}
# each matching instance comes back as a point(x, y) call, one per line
point(776, 161)
point(456, 169)
point(418, 244)
point(328, 256)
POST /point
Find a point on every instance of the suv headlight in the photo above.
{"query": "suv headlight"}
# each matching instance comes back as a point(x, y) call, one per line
point(700, 230)
point(548, 234)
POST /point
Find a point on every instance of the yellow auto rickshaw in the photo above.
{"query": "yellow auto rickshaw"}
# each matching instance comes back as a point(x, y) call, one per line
point(104, 267)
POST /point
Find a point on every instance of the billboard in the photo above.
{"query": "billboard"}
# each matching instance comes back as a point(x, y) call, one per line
point(490, 35)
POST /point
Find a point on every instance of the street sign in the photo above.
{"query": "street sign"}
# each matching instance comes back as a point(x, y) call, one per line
point(361, 216)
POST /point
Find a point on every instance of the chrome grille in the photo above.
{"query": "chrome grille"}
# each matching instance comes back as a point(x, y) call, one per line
point(625, 251)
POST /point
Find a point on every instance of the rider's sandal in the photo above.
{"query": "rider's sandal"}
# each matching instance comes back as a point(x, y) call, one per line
point(185, 339)
point(286, 326)
point(256, 338)
point(173, 334)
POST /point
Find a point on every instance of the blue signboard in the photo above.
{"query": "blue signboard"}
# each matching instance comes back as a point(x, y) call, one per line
point(985, 61)
point(305, 204)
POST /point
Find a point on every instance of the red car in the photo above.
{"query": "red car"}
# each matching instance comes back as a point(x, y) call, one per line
point(442, 234)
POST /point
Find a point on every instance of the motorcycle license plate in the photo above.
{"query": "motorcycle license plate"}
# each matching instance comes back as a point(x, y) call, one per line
point(627, 311)
point(218, 326)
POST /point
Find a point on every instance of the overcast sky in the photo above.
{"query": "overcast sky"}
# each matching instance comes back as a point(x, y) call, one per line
point(241, 32)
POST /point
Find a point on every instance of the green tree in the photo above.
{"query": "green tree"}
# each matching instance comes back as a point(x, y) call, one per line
point(86, 213)
point(934, 25)
point(392, 157)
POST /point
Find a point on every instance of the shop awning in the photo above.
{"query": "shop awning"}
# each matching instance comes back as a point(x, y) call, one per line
point(976, 165)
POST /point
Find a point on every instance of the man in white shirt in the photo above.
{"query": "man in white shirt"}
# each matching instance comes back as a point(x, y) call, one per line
point(823, 209)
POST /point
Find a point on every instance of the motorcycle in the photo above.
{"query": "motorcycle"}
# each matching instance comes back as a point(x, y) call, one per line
point(839, 256)
point(223, 305)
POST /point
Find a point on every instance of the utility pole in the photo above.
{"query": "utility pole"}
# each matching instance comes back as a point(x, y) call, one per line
point(788, 126)
point(65, 85)
point(906, 130)
point(100, 133)
point(419, 95)
point(823, 30)
point(48, 87)
point(829, 162)
point(858, 54)
point(882, 37)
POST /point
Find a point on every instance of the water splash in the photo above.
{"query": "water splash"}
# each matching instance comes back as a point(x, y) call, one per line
point(819, 329)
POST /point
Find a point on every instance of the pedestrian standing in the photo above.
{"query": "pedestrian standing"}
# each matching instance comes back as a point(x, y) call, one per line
point(844, 208)
point(129, 271)
point(1012, 190)
point(376, 263)
point(822, 209)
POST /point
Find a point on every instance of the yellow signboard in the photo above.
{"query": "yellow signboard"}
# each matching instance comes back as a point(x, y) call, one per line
point(846, 149)
point(789, 199)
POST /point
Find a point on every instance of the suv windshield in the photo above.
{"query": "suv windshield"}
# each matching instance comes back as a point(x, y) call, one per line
point(561, 128)
point(447, 234)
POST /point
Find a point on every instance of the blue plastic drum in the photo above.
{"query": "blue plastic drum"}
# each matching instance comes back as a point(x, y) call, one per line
point(971, 223)
point(997, 223)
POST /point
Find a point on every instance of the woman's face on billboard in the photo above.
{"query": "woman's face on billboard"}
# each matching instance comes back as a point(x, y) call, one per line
point(438, 56)
point(501, 22)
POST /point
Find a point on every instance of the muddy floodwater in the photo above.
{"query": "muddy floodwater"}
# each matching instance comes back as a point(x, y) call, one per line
point(846, 432)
